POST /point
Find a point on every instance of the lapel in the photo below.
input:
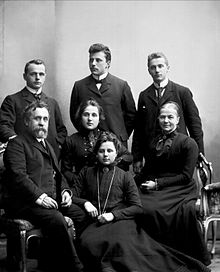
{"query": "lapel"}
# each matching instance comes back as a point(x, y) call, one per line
point(168, 94)
point(104, 87)
point(151, 94)
point(29, 97)
point(106, 84)
point(92, 86)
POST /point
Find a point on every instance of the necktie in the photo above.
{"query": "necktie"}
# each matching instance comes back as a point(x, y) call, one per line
point(37, 96)
point(159, 92)
point(43, 144)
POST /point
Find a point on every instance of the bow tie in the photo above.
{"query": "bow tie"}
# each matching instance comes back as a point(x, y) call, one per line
point(98, 81)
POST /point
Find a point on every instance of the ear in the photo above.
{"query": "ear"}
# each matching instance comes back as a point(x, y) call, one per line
point(108, 63)
point(24, 76)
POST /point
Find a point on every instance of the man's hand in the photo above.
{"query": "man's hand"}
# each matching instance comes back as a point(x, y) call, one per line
point(66, 199)
point(137, 167)
point(91, 209)
point(105, 218)
point(49, 203)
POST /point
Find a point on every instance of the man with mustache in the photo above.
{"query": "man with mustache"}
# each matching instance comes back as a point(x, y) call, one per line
point(11, 122)
point(111, 92)
point(37, 191)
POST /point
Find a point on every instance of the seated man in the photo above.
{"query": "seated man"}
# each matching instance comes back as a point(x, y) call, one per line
point(37, 191)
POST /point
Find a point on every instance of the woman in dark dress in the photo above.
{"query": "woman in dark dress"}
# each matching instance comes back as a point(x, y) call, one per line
point(168, 190)
point(77, 151)
point(112, 241)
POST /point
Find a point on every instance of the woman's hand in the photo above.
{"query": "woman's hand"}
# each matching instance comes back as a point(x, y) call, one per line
point(91, 209)
point(105, 218)
point(149, 185)
point(66, 199)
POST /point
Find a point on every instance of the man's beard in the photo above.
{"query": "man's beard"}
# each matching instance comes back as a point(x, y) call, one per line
point(40, 132)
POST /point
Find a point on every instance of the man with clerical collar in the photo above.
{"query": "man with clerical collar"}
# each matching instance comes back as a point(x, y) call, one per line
point(111, 92)
point(37, 191)
point(11, 122)
point(150, 100)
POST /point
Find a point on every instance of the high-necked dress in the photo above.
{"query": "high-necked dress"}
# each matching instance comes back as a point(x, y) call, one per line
point(77, 152)
point(121, 245)
point(170, 212)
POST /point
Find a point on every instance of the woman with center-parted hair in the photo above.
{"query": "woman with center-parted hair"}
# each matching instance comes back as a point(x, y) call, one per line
point(78, 148)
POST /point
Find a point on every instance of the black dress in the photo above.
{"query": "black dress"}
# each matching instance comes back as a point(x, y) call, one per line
point(169, 212)
point(77, 152)
point(121, 245)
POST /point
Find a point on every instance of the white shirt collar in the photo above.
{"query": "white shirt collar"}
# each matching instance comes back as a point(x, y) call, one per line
point(34, 91)
point(101, 77)
point(163, 84)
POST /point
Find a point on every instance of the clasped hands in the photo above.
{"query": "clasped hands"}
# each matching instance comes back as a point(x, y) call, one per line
point(93, 212)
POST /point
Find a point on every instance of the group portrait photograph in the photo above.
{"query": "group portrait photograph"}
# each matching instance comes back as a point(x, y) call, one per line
point(109, 136)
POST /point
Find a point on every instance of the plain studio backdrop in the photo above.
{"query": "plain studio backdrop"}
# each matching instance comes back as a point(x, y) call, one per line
point(60, 33)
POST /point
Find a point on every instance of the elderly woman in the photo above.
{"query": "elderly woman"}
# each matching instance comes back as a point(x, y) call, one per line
point(168, 191)
point(78, 148)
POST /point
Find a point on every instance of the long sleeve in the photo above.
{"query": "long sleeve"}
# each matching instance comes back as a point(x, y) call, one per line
point(7, 119)
point(60, 127)
point(128, 108)
point(189, 154)
point(192, 119)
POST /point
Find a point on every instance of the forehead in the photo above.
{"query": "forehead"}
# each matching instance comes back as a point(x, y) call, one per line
point(100, 55)
point(157, 61)
point(91, 108)
point(107, 145)
point(168, 110)
point(40, 112)
point(36, 68)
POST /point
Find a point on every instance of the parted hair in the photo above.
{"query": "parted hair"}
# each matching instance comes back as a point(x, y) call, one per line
point(83, 105)
point(107, 136)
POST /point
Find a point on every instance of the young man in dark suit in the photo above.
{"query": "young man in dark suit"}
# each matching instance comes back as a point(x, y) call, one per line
point(149, 102)
point(111, 92)
point(11, 122)
point(35, 189)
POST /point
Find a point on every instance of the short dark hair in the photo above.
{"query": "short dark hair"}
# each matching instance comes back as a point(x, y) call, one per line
point(98, 47)
point(32, 107)
point(107, 136)
point(34, 61)
point(172, 103)
point(156, 55)
point(83, 105)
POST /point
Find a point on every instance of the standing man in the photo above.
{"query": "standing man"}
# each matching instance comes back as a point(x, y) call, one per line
point(37, 191)
point(149, 102)
point(11, 122)
point(112, 93)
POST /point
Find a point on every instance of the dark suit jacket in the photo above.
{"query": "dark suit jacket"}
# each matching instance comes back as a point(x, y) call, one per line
point(11, 119)
point(147, 126)
point(116, 99)
point(31, 170)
